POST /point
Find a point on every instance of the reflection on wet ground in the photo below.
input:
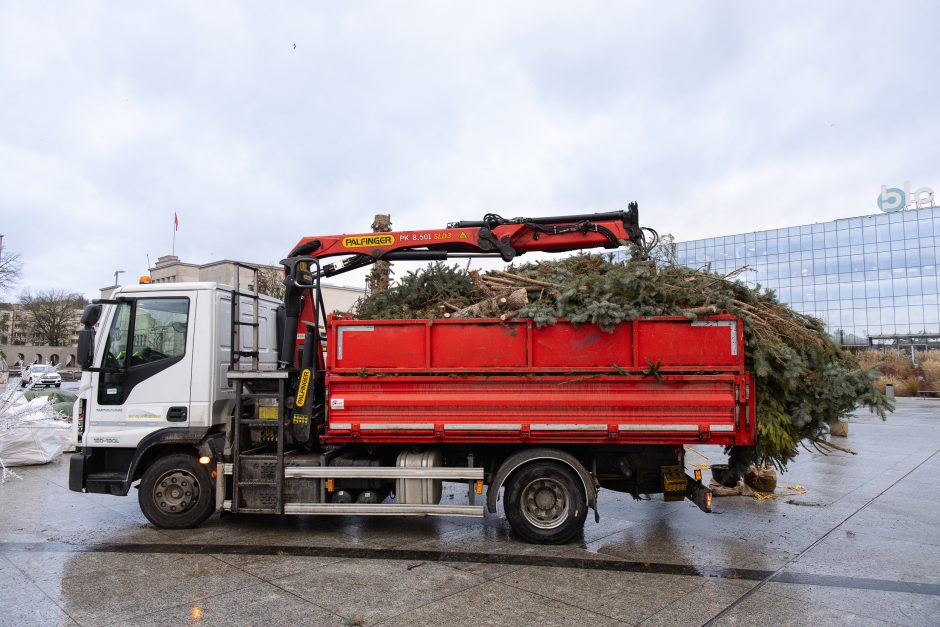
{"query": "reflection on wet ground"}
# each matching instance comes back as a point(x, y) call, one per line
point(866, 551)
point(512, 559)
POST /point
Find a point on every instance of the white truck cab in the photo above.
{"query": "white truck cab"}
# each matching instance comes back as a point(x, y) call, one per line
point(155, 375)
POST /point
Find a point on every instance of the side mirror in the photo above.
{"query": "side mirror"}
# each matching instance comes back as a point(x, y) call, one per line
point(86, 344)
point(91, 314)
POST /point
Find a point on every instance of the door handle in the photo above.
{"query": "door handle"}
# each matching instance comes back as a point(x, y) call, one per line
point(176, 414)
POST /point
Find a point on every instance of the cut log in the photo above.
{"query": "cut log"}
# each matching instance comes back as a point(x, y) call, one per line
point(495, 306)
point(524, 279)
point(475, 275)
point(498, 281)
point(704, 310)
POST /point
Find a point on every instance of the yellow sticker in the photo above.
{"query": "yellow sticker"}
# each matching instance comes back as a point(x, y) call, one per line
point(364, 241)
point(463, 235)
point(267, 412)
point(302, 390)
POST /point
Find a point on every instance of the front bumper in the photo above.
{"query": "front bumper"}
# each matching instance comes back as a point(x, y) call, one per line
point(100, 471)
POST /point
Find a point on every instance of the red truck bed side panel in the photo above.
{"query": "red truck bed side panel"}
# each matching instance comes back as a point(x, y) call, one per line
point(513, 346)
point(666, 380)
point(599, 409)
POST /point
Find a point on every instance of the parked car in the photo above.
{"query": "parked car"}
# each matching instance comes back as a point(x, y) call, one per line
point(41, 375)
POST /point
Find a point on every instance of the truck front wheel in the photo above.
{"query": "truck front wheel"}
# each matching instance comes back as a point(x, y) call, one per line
point(176, 492)
point(545, 503)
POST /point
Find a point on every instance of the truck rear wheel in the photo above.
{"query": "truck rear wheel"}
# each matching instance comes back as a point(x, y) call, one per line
point(176, 492)
point(545, 503)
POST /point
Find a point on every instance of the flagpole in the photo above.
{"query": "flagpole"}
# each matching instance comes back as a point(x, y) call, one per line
point(174, 238)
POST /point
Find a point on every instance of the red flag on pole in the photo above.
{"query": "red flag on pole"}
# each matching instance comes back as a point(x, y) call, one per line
point(176, 222)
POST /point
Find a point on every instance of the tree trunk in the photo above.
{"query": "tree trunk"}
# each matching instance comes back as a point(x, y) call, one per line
point(496, 306)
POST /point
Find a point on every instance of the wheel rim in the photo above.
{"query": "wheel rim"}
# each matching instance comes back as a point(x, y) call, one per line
point(544, 503)
point(176, 492)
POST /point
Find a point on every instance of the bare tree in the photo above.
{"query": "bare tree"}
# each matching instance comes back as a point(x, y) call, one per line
point(10, 268)
point(271, 282)
point(52, 315)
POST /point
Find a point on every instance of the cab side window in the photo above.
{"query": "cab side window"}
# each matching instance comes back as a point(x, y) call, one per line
point(159, 329)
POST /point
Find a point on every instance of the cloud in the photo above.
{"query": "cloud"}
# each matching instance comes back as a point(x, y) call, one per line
point(716, 118)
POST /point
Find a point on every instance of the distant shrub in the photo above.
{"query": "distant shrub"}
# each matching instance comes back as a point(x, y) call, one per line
point(897, 369)
point(931, 370)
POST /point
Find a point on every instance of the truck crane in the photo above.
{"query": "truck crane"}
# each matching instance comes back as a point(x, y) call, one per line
point(218, 398)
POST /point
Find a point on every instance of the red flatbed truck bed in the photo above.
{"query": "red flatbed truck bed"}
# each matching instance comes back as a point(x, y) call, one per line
point(660, 381)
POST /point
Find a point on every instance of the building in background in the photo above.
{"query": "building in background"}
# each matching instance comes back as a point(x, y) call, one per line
point(20, 345)
point(16, 325)
point(169, 269)
point(872, 279)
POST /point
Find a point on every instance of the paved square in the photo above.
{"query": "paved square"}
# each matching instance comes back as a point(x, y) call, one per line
point(862, 546)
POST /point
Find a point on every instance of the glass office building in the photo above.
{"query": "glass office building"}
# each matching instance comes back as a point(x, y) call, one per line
point(871, 279)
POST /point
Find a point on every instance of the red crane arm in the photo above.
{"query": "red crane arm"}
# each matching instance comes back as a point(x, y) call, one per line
point(492, 236)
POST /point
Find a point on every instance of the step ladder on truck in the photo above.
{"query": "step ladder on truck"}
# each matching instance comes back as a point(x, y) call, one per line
point(325, 415)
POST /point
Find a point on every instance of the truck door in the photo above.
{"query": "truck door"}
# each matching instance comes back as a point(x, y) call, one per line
point(143, 381)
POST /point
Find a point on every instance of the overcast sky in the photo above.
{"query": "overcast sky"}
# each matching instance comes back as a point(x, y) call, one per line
point(717, 117)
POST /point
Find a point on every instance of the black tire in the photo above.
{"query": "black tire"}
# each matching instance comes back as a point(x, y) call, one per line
point(176, 492)
point(545, 503)
point(58, 385)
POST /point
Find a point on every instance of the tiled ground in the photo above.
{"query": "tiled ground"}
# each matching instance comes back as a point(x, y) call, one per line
point(870, 518)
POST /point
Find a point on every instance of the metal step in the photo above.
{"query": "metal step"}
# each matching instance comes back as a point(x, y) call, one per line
point(107, 476)
point(257, 422)
point(252, 510)
point(258, 374)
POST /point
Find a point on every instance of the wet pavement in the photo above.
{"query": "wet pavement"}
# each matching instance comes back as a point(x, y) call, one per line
point(861, 546)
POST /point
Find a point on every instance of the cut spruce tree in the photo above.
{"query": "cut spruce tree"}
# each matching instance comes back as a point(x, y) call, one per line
point(804, 380)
